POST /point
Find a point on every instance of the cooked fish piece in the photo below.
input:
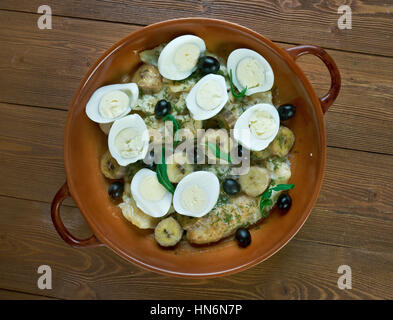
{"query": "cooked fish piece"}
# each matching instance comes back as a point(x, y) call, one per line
point(223, 221)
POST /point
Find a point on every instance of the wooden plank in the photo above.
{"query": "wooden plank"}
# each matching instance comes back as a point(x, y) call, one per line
point(301, 270)
point(44, 67)
point(16, 295)
point(31, 167)
point(31, 151)
point(355, 122)
point(313, 22)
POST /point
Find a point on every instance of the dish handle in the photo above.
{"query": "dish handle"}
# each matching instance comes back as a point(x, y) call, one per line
point(60, 196)
point(328, 99)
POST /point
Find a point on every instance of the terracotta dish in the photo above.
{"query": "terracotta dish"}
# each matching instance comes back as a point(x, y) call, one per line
point(84, 144)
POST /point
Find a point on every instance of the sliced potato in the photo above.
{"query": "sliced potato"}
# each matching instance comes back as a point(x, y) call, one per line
point(168, 232)
point(110, 168)
point(255, 182)
point(260, 156)
point(226, 119)
point(280, 170)
point(177, 167)
point(148, 79)
point(283, 142)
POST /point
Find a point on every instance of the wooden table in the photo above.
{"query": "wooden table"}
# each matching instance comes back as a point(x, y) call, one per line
point(352, 223)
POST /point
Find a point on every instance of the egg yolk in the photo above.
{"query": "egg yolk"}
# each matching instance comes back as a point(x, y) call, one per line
point(250, 73)
point(113, 104)
point(186, 57)
point(194, 199)
point(209, 95)
point(129, 143)
point(262, 125)
point(151, 189)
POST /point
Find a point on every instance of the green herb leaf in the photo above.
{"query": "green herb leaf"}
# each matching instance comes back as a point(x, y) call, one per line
point(162, 174)
point(281, 187)
point(241, 94)
point(174, 121)
point(219, 154)
point(227, 218)
point(266, 201)
point(176, 126)
point(267, 194)
point(176, 143)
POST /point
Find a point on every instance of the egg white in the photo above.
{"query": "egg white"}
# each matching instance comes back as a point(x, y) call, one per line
point(166, 64)
point(238, 55)
point(92, 106)
point(206, 181)
point(198, 113)
point(243, 134)
point(132, 121)
point(154, 209)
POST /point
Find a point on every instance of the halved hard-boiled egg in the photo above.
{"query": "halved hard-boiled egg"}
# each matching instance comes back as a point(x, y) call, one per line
point(251, 70)
point(179, 57)
point(196, 194)
point(207, 97)
point(112, 102)
point(128, 139)
point(257, 126)
point(149, 195)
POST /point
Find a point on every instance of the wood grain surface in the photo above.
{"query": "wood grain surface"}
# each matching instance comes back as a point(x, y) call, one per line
point(285, 20)
point(351, 224)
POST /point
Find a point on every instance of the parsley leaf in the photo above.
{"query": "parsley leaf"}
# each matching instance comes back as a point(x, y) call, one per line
point(241, 94)
point(266, 200)
point(162, 174)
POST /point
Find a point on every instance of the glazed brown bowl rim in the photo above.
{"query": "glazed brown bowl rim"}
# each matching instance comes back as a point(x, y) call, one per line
point(290, 61)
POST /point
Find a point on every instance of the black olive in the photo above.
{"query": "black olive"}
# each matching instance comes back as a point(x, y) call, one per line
point(208, 64)
point(286, 111)
point(243, 237)
point(148, 161)
point(231, 186)
point(243, 153)
point(239, 150)
point(284, 202)
point(115, 190)
point(162, 108)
